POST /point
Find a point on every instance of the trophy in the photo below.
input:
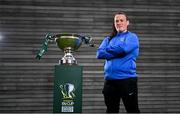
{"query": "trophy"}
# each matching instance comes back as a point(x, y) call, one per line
point(67, 43)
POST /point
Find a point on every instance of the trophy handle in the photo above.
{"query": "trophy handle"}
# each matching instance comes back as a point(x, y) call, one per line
point(43, 50)
point(87, 40)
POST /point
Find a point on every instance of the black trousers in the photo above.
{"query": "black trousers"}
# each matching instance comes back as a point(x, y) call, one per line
point(125, 89)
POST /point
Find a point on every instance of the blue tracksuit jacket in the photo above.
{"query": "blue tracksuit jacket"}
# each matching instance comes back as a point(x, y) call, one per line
point(120, 54)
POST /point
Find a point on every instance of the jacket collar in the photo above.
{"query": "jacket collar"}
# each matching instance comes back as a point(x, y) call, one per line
point(122, 33)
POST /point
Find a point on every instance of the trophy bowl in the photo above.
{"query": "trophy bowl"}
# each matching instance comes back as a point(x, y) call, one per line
point(65, 41)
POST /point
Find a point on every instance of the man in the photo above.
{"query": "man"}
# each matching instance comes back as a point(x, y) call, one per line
point(120, 50)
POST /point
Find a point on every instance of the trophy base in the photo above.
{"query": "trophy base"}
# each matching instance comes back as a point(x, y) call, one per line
point(68, 59)
point(67, 62)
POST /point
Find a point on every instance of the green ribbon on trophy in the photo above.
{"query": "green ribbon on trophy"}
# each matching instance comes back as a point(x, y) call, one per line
point(68, 75)
point(44, 47)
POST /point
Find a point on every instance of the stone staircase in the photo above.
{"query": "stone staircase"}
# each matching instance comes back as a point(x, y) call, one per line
point(26, 84)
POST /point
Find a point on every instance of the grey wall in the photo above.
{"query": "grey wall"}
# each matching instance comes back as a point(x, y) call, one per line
point(26, 84)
